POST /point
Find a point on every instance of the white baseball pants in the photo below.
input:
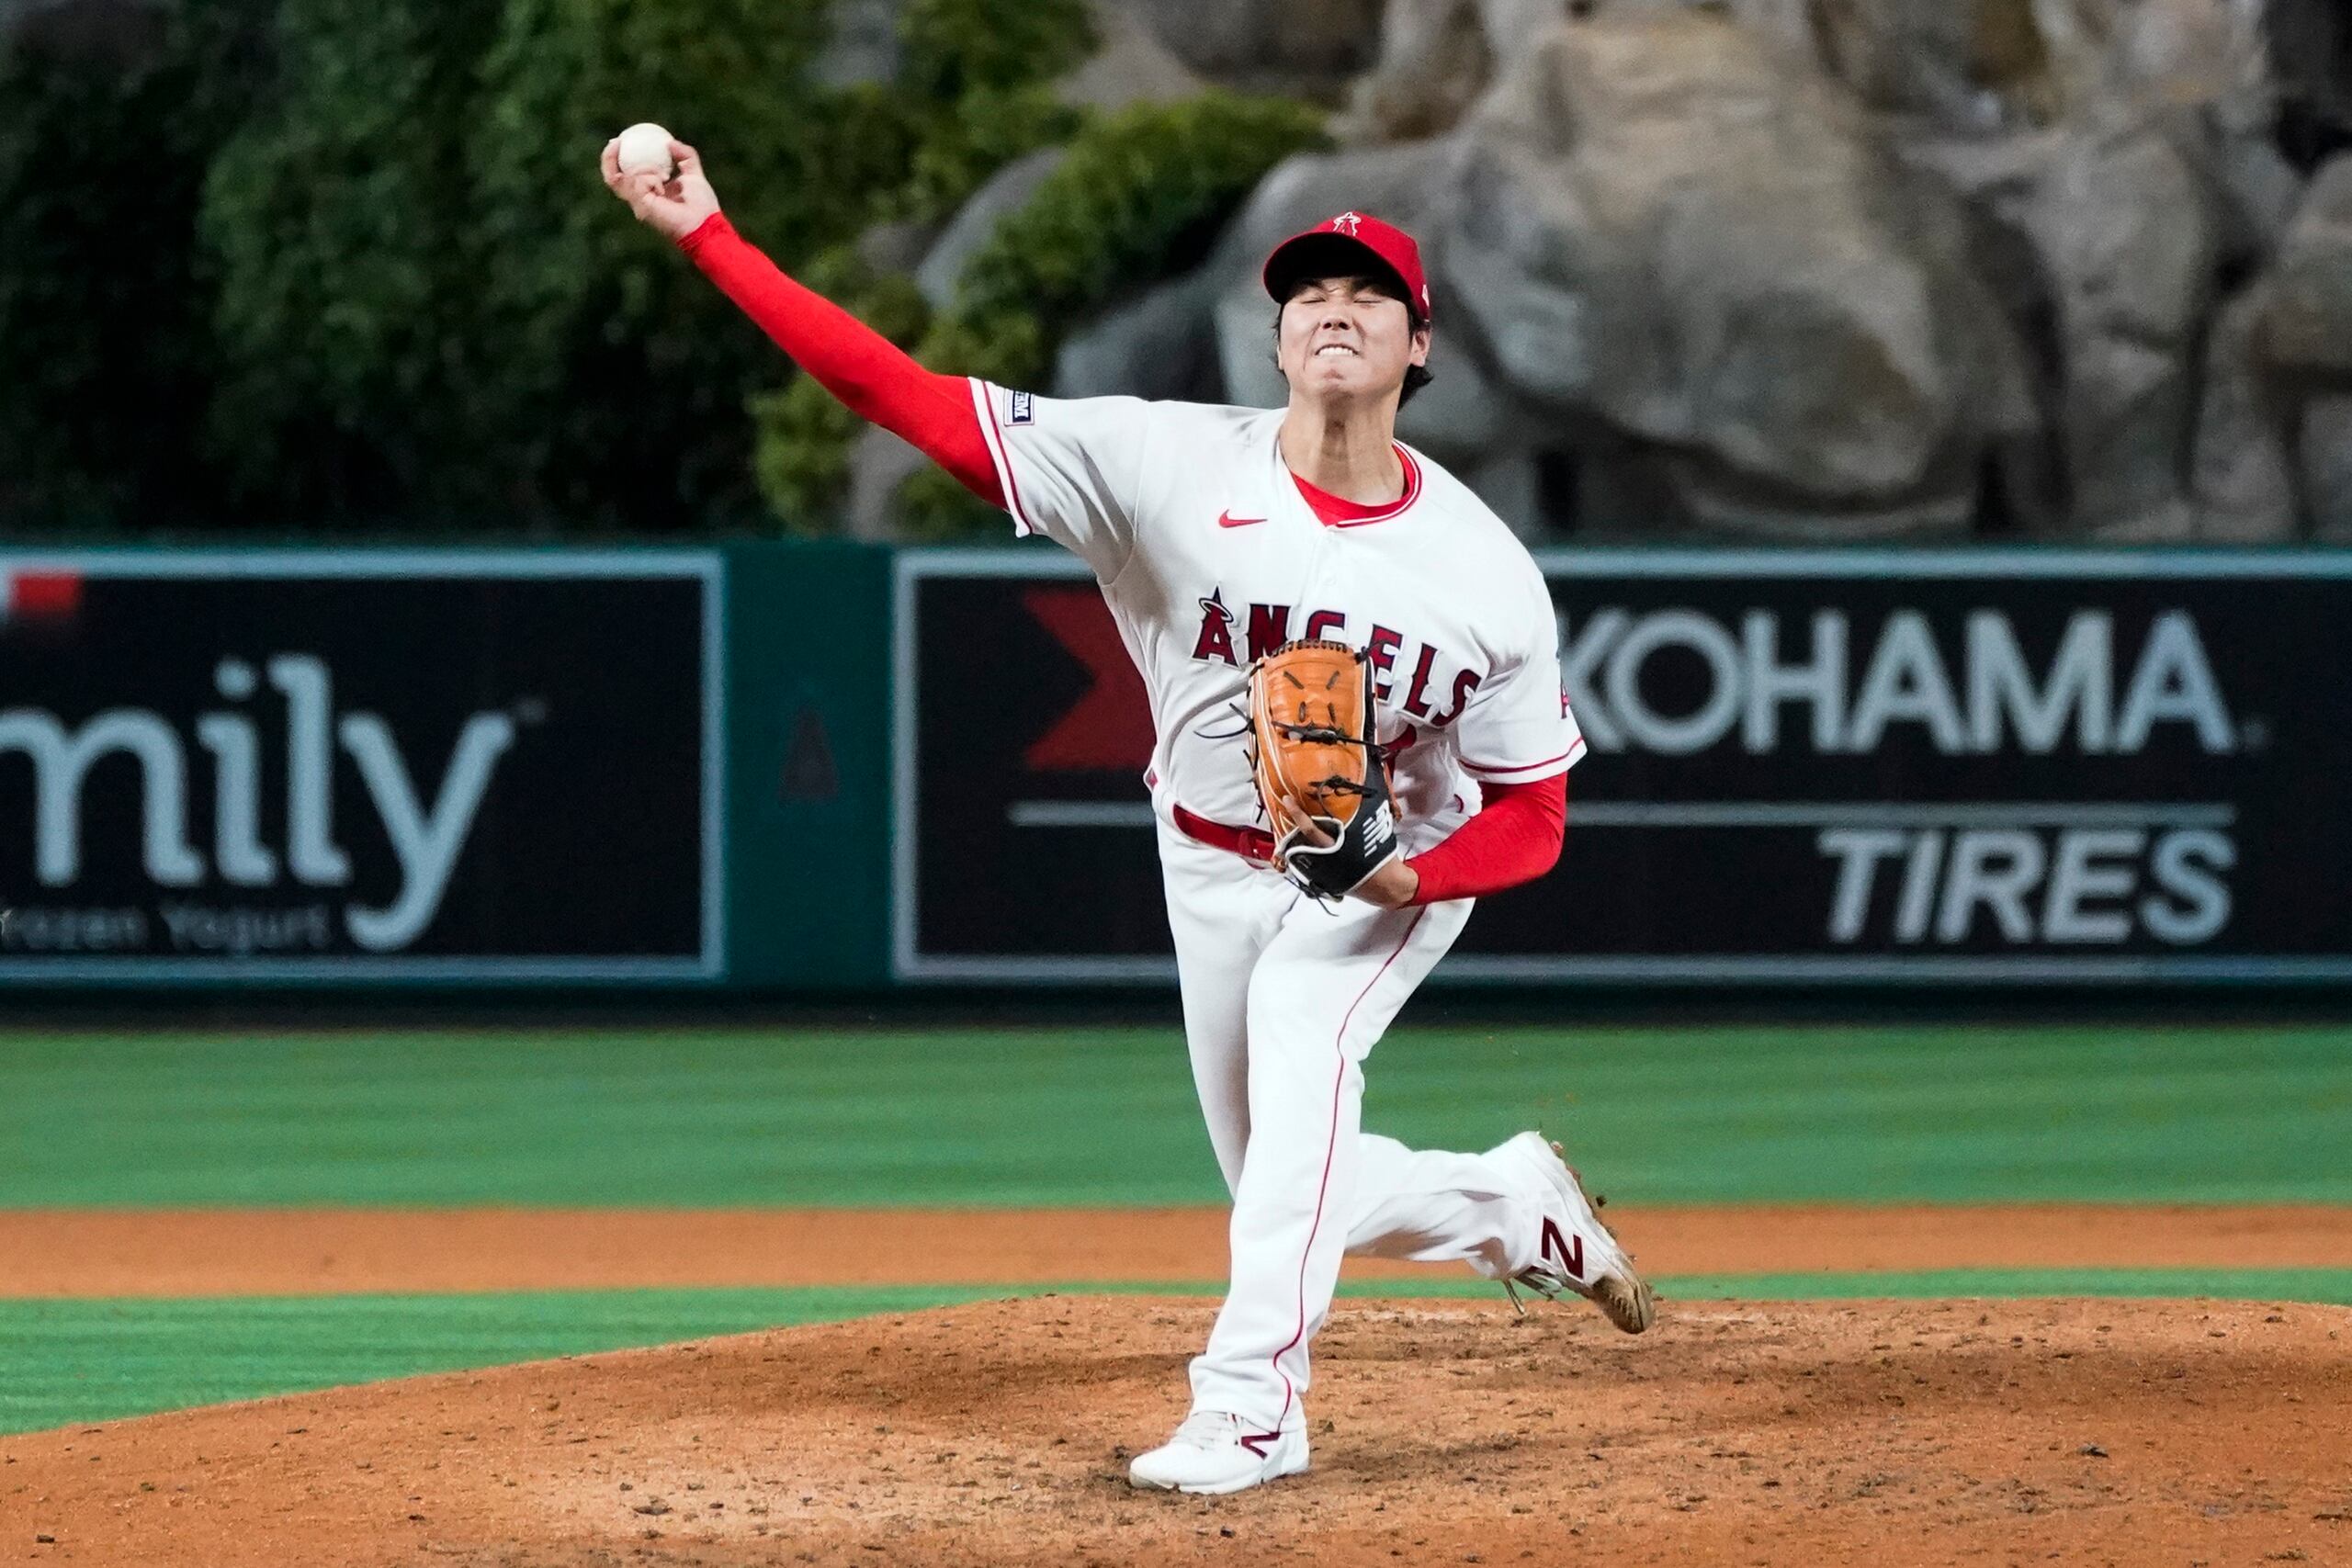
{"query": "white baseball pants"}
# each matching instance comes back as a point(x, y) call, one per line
point(1283, 997)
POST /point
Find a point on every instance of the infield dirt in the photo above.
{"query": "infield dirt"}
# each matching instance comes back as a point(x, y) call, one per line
point(2081, 1431)
point(167, 1252)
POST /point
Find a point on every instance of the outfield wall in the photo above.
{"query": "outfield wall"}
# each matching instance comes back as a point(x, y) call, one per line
point(816, 768)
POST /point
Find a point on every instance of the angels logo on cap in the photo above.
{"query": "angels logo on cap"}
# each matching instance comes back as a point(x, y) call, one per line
point(1342, 245)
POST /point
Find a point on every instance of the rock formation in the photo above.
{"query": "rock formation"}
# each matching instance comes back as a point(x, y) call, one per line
point(1832, 269)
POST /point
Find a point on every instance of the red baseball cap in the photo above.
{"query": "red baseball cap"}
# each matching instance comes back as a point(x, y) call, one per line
point(1338, 247)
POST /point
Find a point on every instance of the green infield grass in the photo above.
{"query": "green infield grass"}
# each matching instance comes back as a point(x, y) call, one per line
point(80, 1361)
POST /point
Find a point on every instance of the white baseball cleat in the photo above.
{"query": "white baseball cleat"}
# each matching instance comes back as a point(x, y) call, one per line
point(1214, 1452)
point(1578, 1253)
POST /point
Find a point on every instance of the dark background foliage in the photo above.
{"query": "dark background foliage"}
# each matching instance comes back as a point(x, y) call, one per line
point(316, 266)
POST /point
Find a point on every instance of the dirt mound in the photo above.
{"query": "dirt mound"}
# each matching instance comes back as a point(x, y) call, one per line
point(2126, 1432)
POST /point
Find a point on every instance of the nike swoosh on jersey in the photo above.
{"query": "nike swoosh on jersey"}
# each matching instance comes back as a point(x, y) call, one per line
point(1227, 520)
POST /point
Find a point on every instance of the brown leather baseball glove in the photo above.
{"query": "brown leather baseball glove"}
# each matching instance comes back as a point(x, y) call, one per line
point(1312, 721)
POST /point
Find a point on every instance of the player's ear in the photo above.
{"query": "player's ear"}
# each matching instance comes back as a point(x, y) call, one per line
point(1421, 354)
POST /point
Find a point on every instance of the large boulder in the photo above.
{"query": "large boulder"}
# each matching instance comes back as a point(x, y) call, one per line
point(1967, 62)
point(1131, 66)
point(1979, 63)
point(2325, 449)
point(1438, 56)
point(2108, 236)
point(2308, 326)
point(1161, 345)
point(1314, 47)
point(2200, 68)
point(1819, 270)
point(2273, 447)
point(1658, 225)
point(1006, 192)
point(1434, 61)
point(879, 465)
point(2242, 473)
point(2307, 336)
point(2174, 52)
point(2131, 244)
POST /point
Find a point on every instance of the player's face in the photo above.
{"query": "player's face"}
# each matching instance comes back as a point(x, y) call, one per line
point(1347, 338)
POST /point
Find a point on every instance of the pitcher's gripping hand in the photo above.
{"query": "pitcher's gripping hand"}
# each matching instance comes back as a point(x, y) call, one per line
point(673, 207)
point(1392, 886)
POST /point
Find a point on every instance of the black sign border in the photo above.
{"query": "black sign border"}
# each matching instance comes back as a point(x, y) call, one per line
point(910, 964)
point(707, 567)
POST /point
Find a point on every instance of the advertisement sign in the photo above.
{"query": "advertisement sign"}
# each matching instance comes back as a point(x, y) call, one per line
point(1805, 766)
point(341, 766)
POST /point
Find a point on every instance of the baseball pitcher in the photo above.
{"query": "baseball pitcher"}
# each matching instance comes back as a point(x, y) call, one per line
point(1355, 687)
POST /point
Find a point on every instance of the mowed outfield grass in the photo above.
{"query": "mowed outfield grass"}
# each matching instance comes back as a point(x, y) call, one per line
point(1106, 1117)
point(1088, 1117)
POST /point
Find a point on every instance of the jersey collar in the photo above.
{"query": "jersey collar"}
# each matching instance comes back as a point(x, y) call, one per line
point(1336, 512)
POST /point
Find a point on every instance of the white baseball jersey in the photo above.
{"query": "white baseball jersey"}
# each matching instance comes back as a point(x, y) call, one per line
point(1210, 558)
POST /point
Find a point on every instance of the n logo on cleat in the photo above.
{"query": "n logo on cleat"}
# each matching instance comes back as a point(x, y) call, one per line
point(1570, 1256)
point(1256, 1442)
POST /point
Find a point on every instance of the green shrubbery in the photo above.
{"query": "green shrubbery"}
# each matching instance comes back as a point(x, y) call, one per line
point(1139, 197)
point(309, 263)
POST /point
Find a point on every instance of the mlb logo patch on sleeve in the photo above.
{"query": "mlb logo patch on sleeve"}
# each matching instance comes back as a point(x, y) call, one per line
point(1025, 408)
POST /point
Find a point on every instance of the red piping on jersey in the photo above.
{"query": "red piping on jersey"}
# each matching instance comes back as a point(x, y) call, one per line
point(1339, 511)
point(1522, 767)
point(1012, 485)
point(1330, 1147)
point(874, 378)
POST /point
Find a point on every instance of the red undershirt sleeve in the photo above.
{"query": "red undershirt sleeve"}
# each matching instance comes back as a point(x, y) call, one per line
point(874, 378)
point(1514, 839)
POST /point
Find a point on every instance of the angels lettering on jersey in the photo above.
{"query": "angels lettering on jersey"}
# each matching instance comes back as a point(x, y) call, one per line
point(1427, 696)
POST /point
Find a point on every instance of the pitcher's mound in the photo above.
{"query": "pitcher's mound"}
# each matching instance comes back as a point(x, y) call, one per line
point(1880, 1433)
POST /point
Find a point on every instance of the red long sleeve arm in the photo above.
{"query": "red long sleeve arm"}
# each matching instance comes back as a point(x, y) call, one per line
point(872, 377)
point(1515, 838)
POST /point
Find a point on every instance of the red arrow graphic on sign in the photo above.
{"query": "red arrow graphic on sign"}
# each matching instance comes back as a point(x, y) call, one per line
point(1110, 727)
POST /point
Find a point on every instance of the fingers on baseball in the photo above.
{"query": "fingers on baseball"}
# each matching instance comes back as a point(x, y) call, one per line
point(644, 191)
point(692, 180)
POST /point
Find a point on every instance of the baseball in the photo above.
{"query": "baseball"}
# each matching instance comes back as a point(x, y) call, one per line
point(645, 150)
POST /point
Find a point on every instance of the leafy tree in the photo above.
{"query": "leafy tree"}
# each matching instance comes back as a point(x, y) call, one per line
point(434, 304)
point(338, 222)
point(977, 76)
